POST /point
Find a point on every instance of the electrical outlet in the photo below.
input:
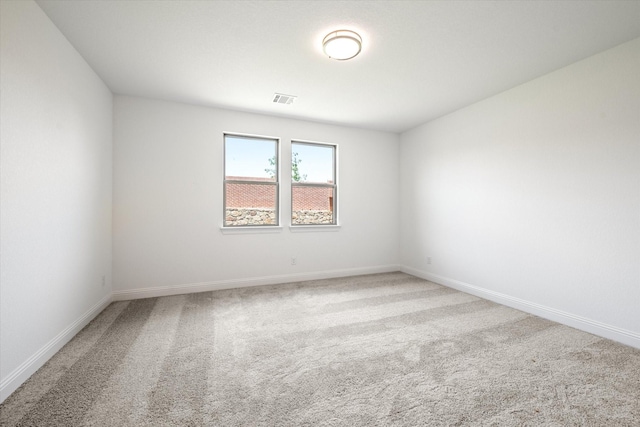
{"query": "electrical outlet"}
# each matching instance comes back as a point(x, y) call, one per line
point(428, 260)
point(104, 280)
point(294, 260)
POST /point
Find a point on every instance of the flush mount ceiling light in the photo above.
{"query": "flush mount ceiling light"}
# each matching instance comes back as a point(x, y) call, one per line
point(342, 44)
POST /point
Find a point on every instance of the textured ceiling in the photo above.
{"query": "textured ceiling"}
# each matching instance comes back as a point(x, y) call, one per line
point(419, 60)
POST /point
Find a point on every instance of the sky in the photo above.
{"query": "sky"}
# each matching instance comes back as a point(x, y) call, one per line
point(250, 157)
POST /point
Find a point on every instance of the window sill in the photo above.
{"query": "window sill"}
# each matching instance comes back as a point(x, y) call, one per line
point(251, 230)
point(313, 228)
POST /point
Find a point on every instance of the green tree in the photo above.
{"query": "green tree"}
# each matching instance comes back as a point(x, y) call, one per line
point(295, 171)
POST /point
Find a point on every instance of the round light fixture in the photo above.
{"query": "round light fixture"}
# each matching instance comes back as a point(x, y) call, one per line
point(342, 44)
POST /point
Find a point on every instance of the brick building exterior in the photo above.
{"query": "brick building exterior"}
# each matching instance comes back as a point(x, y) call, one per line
point(263, 196)
point(312, 198)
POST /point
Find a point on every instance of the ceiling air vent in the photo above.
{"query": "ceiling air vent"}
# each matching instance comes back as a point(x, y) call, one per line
point(280, 98)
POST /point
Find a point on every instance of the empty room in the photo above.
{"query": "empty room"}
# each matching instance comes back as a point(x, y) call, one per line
point(319, 213)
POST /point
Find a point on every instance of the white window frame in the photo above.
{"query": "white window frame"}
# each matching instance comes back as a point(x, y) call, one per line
point(259, 228)
point(334, 226)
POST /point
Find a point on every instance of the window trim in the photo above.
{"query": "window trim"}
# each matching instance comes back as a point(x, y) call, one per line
point(257, 227)
point(335, 225)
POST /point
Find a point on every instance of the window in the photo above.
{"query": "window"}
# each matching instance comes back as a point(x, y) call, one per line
point(313, 184)
point(250, 181)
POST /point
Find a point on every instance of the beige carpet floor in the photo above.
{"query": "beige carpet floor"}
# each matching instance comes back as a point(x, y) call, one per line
point(377, 350)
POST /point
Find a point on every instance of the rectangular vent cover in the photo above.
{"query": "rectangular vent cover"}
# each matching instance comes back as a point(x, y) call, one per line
point(280, 98)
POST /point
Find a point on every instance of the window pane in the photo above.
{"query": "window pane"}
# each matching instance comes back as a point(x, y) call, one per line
point(312, 205)
point(250, 204)
point(250, 158)
point(312, 163)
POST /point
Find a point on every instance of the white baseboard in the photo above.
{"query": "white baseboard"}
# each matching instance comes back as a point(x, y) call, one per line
point(189, 288)
point(582, 323)
point(22, 373)
point(19, 375)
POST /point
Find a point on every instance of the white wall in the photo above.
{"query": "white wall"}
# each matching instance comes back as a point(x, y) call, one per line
point(55, 220)
point(532, 197)
point(168, 170)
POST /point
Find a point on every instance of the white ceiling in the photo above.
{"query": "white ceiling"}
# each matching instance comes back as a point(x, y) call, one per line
point(420, 59)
